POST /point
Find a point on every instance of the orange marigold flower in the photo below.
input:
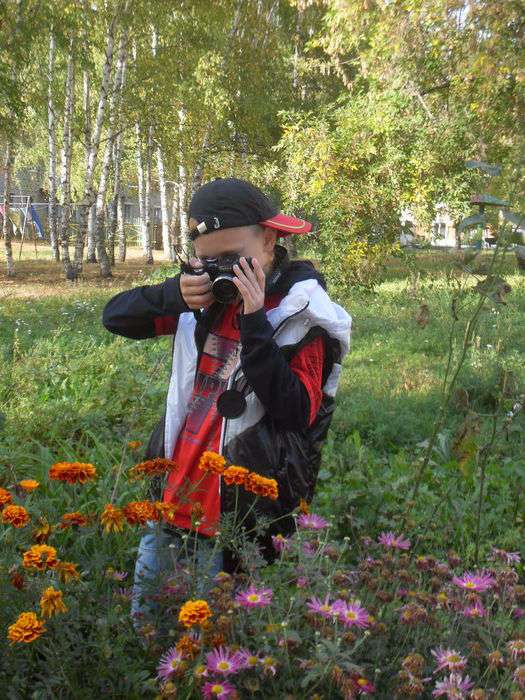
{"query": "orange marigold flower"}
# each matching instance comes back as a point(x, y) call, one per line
point(188, 647)
point(212, 462)
point(139, 512)
point(152, 467)
point(26, 629)
point(29, 484)
point(18, 581)
point(261, 486)
point(66, 571)
point(197, 511)
point(304, 507)
point(72, 472)
point(40, 557)
point(112, 518)
point(5, 497)
point(52, 602)
point(76, 518)
point(194, 612)
point(163, 508)
point(134, 444)
point(235, 475)
point(17, 516)
point(42, 532)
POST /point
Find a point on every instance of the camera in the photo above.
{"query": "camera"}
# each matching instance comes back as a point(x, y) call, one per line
point(221, 274)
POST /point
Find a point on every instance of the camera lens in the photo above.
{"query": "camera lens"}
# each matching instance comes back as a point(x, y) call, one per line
point(223, 289)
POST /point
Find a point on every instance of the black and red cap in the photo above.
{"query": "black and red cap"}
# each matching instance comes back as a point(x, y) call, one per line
point(229, 201)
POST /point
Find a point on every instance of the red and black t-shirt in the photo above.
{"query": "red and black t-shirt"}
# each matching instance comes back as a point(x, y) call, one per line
point(298, 383)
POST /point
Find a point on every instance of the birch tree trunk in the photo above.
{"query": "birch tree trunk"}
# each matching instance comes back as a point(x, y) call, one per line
point(89, 193)
point(148, 227)
point(83, 207)
point(100, 217)
point(51, 136)
point(121, 229)
point(117, 154)
point(65, 172)
point(141, 188)
point(182, 190)
point(175, 220)
point(164, 208)
point(6, 228)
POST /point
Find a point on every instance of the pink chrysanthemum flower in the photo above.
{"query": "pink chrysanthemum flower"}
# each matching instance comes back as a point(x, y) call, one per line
point(475, 610)
point(321, 608)
point(508, 557)
point(222, 661)
point(218, 689)
point(362, 685)
point(474, 582)
point(516, 648)
point(309, 549)
point(449, 659)
point(169, 664)
point(268, 664)
point(254, 598)
point(301, 582)
point(518, 613)
point(311, 521)
point(351, 614)
point(454, 687)
point(280, 543)
point(390, 539)
point(247, 659)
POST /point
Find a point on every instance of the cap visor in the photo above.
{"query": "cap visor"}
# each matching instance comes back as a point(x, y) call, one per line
point(287, 224)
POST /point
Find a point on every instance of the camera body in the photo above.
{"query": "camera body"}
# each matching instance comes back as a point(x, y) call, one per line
point(221, 274)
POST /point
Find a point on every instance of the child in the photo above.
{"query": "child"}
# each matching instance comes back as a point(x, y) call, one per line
point(252, 379)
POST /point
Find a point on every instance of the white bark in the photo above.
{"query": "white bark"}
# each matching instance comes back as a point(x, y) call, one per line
point(65, 170)
point(83, 210)
point(164, 208)
point(117, 154)
point(6, 228)
point(89, 194)
point(140, 187)
point(182, 191)
point(148, 252)
point(51, 136)
point(100, 216)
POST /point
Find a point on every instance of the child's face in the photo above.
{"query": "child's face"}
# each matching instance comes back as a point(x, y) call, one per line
point(239, 239)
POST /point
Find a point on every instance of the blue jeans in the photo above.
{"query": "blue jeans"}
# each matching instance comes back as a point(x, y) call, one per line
point(162, 550)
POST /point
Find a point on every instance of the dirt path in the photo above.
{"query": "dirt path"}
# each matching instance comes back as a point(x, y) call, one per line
point(39, 277)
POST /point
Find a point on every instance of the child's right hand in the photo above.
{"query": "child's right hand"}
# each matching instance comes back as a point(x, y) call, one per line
point(196, 289)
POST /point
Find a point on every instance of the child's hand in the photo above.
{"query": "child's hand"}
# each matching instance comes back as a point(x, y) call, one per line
point(250, 284)
point(196, 289)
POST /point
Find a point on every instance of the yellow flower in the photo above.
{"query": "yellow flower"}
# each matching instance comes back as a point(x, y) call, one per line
point(76, 518)
point(52, 602)
point(212, 462)
point(17, 516)
point(72, 472)
point(29, 484)
point(5, 497)
point(152, 467)
point(235, 475)
point(194, 612)
point(112, 518)
point(26, 629)
point(43, 531)
point(261, 486)
point(134, 444)
point(139, 512)
point(40, 557)
point(66, 570)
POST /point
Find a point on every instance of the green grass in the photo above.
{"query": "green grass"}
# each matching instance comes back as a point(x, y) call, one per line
point(70, 389)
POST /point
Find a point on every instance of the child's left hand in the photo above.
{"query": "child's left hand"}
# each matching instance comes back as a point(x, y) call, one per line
point(251, 284)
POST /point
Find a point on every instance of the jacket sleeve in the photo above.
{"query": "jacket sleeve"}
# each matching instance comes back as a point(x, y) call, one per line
point(291, 391)
point(147, 311)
